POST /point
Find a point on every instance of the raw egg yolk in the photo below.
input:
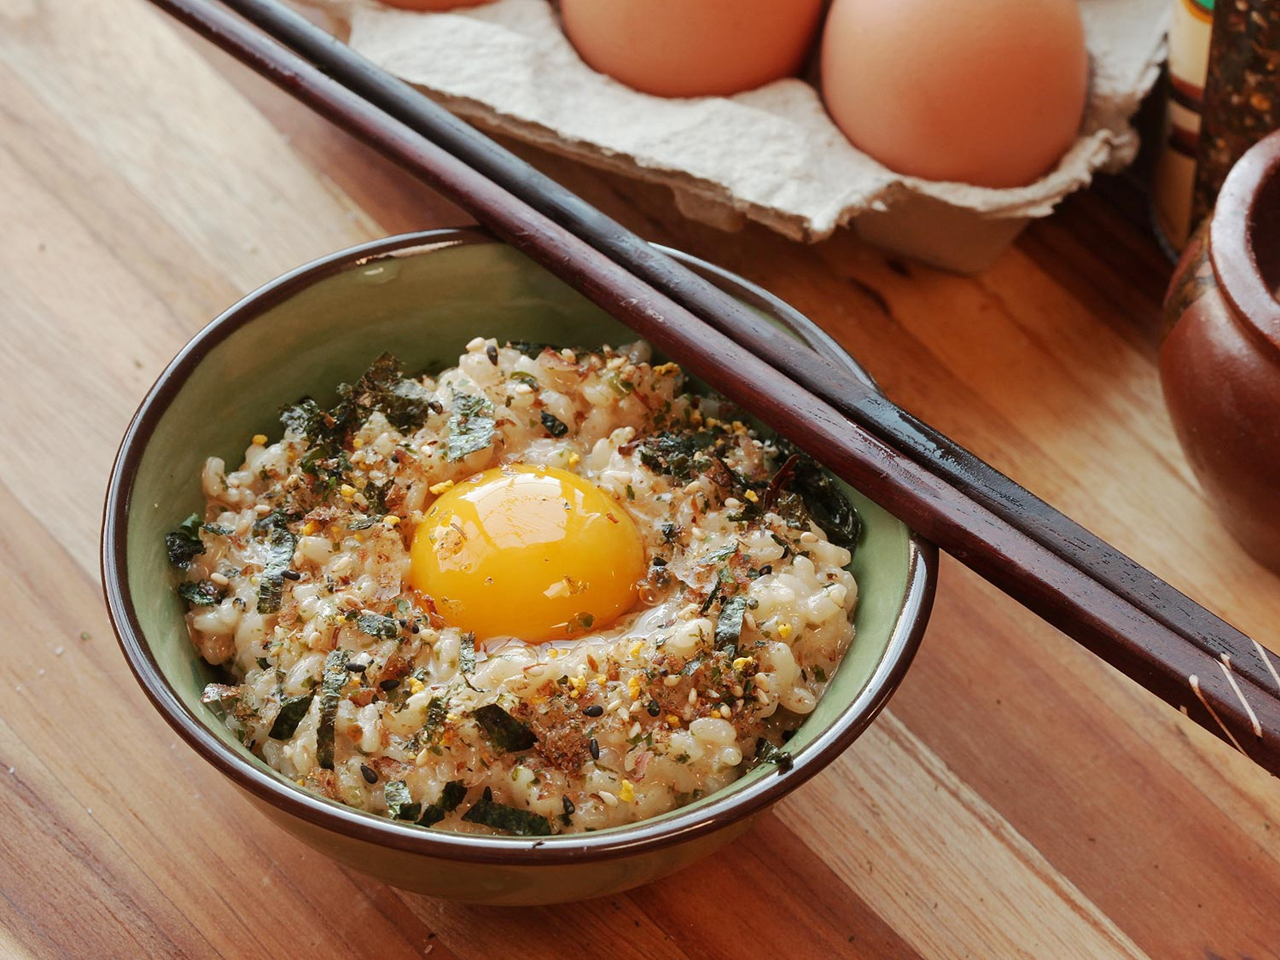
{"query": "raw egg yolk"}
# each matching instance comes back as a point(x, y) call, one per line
point(529, 552)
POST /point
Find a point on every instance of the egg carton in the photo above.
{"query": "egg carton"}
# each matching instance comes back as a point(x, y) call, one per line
point(770, 155)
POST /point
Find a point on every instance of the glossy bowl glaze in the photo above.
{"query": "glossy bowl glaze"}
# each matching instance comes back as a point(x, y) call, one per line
point(1220, 364)
point(423, 297)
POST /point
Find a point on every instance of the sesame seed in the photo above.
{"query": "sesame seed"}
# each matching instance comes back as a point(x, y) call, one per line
point(609, 799)
point(368, 773)
point(594, 747)
point(653, 708)
point(356, 666)
point(693, 696)
point(219, 579)
point(291, 575)
point(635, 729)
point(491, 351)
point(595, 710)
point(725, 711)
point(569, 808)
point(389, 684)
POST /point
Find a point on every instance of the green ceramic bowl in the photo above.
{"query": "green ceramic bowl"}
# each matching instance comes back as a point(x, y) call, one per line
point(423, 296)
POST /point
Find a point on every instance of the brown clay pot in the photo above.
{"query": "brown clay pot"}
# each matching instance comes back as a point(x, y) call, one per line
point(1220, 364)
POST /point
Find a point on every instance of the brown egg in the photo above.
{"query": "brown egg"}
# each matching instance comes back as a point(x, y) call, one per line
point(435, 5)
point(689, 48)
point(988, 92)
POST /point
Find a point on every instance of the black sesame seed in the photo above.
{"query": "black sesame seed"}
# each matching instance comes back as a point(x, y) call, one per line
point(569, 808)
point(369, 775)
point(766, 570)
point(595, 710)
point(595, 749)
point(491, 351)
point(389, 684)
point(653, 708)
point(435, 406)
point(356, 666)
point(292, 575)
point(415, 629)
point(659, 562)
point(403, 623)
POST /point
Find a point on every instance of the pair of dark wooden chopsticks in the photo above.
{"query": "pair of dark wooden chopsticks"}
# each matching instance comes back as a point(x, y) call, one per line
point(1122, 612)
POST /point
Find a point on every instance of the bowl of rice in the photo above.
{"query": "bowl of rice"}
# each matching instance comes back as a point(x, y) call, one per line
point(461, 584)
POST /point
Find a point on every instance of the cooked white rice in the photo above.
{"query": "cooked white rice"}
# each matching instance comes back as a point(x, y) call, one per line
point(682, 715)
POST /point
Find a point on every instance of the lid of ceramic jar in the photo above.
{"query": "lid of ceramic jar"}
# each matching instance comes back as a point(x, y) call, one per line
point(1244, 237)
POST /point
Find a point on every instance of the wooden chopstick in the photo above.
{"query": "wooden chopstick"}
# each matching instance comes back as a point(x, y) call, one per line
point(872, 410)
point(1195, 670)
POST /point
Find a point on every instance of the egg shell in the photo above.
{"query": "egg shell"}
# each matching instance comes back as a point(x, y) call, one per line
point(986, 92)
point(688, 48)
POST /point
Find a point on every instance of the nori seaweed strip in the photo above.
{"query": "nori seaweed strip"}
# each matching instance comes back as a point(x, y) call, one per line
point(503, 730)
point(675, 454)
point(291, 713)
point(520, 823)
point(471, 426)
point(729, 625)
point(184, 544)
point(400, 805)
point(816, 497)
point(384, 387)
point(376, 625)
point(768, 752)
point(305, 418)
point(271, 580)
point(335, 678)
point(467, 656)
point(436, 712)
point(200, 593)
point(454, 792)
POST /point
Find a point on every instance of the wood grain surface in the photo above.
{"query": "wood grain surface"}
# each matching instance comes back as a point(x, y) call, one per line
point(1018, 798)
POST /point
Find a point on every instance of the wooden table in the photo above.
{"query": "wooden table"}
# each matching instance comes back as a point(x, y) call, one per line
point(1018, 797)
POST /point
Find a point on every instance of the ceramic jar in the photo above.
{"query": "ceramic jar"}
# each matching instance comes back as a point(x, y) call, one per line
point(1220, 364)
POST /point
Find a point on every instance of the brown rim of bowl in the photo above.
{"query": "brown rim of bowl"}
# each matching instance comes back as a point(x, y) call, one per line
point(1233, 230)
point(630, 840)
